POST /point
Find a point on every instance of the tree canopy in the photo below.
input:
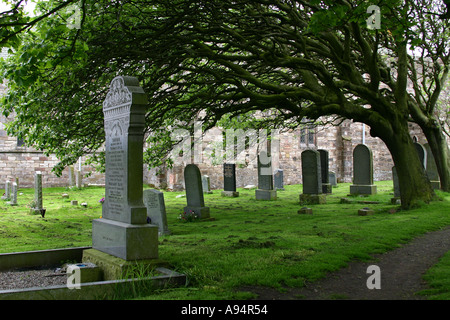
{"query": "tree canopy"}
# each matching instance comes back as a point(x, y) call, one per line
point(207, 60)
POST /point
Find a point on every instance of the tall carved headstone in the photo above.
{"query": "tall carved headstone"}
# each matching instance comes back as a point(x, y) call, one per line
point(123, 230)
point(229, 180)
point(265, 189)
point(194, 192)
point(278, 178)
point(324, 159)
point(362, 171)
point(311, 178)
point(156, 209)
point(431, 168)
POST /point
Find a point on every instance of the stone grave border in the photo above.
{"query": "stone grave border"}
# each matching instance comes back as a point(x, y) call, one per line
point(88, 291)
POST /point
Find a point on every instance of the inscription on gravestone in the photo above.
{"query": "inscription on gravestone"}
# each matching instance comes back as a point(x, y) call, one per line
point(123, 230)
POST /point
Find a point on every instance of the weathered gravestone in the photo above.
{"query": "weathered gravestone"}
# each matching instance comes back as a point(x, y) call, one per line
point(7, 195)
point(324, 159)
point(13, 201)
point(332, 178)
point(79, 179)
point(229, 180)
point(311, 178)
point(194, 192)
point(396, 198)
point(422, 153)
point(362, 171)
point(71, 176)
point(431, 168)
point(156, 209)
point(265, 189)
point(395, 182)
point(37, 203)
point(206, 185)
point(123, 230)
point(278, 178)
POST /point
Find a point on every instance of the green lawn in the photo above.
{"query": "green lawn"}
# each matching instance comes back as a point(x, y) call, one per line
point(249, 242)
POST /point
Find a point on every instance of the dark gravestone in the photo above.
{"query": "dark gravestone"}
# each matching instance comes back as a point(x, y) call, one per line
point(362, 171)
point(156, 209)
point(194, 192)
point(265, 189)
point(229, 180)
point(431, 168)
point(395, 182)
point(422, 153)
point(324, 160)
point(311, 178)
point(123, 230)
point(278, 180)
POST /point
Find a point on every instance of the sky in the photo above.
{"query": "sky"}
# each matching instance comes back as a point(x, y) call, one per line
point(29, 6)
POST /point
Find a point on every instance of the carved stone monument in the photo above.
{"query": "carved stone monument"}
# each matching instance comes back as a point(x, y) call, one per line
point(123, 230)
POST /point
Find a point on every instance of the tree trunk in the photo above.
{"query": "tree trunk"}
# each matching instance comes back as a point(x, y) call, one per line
point(439, 148)
point(413, 181)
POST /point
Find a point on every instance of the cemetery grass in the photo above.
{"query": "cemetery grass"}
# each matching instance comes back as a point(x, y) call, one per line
point(247, 243)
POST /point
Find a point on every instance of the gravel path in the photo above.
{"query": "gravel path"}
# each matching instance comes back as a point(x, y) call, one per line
point(28, 278)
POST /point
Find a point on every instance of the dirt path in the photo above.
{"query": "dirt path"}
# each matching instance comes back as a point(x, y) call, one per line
point(401, 273)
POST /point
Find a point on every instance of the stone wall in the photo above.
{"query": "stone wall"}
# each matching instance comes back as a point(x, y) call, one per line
point(338, 140)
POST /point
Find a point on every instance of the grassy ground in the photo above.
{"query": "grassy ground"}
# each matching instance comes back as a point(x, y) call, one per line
point(249, 242)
